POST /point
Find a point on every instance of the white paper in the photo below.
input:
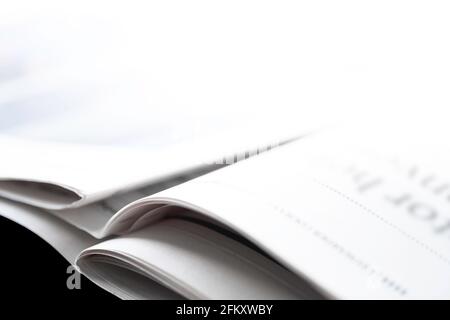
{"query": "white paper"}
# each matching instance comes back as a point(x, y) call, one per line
point(88, 173)
point(195, 262)
point(316, 206)
point(95, 218)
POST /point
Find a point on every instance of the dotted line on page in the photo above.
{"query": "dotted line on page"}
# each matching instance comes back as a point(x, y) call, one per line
point(371, 271)
point(385, 221)
point(385, 280)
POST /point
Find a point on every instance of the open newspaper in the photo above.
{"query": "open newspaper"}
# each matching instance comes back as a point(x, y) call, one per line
point(332, 215)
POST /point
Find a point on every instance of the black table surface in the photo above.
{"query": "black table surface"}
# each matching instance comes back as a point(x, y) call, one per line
point(31, 268)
